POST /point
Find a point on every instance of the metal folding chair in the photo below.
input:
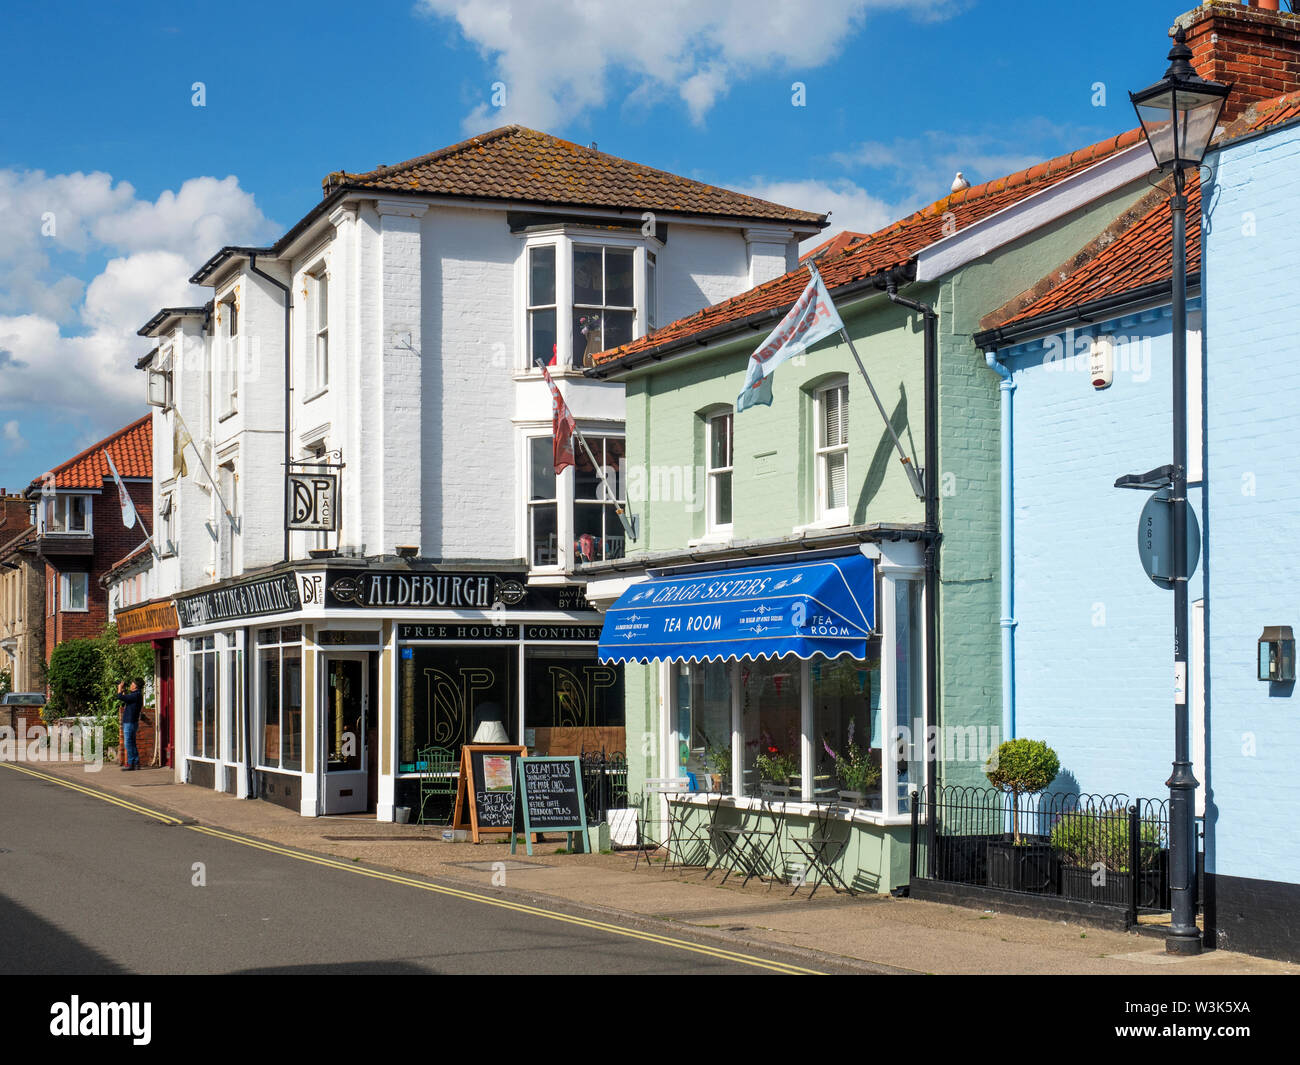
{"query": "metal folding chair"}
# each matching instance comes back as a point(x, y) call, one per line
point(654, 831)
point(754, 842)
point(823, 845)
point(437, 780)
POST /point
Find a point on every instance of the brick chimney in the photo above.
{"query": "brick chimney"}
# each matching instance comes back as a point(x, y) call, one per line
point(1254, 46)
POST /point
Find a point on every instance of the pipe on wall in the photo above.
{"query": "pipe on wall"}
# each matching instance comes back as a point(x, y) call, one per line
point(1007, 621)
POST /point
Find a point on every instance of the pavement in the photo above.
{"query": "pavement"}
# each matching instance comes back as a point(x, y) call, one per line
point(875, 933)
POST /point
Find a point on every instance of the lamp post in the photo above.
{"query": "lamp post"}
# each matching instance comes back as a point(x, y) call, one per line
point(1178, 115)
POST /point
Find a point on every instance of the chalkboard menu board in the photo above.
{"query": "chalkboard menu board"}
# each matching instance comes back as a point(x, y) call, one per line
point(485, 794)
point(550, 798)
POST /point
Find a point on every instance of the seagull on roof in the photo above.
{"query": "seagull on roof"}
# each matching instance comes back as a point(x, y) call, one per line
point(959, 182)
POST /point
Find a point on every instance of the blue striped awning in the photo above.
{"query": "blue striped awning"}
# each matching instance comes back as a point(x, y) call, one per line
point(827, 606)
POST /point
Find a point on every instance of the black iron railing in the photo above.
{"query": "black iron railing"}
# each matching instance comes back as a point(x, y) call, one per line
point(1110, 850)
point(604, 783)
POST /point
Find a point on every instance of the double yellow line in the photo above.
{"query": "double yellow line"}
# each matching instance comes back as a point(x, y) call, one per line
point(469, 896)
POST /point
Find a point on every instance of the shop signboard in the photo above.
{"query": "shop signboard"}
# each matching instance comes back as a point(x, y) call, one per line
point(485, 792)
point(548, 798)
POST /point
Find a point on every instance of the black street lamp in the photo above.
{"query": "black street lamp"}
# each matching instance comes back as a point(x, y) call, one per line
point(1179, 114)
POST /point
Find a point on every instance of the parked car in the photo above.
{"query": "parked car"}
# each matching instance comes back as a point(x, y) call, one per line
point(22, 699)
point(16, 705)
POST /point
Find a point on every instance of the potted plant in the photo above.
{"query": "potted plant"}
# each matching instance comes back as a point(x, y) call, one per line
point(858, 771)
point(778, 771)
point(1021, 767)
point(718, 759)
point(1096, 865)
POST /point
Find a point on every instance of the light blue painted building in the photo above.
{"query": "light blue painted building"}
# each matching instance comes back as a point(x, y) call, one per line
point(1252, 391)
point(1086, 362)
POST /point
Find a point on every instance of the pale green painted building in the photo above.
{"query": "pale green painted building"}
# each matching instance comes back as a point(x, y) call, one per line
point(801, 481)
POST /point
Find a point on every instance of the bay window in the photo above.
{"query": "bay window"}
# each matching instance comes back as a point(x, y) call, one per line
point(604, 307)
point(541, 305)
point(572, 518)
point(597, 532)
point(583, 295)
point(793, 730)
point(65, 513)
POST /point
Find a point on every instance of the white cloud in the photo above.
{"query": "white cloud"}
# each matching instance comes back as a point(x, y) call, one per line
point(555, 56)
point(851, 206)
point(68, 348)
point(13, 438)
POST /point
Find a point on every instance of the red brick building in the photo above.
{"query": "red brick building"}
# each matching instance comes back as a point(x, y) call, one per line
point(80, 535)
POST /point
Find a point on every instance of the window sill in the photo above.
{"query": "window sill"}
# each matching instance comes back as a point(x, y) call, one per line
point(721, 538)
point(797, 808)
point(831, 521)
point(228, 415)
point(316, 395)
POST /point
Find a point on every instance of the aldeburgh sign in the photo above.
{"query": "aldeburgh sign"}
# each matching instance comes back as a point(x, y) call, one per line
point(272, 595)
point(471, 591)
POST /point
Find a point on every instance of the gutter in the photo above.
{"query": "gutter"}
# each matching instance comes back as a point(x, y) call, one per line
point(288, 385)
point(1083, 313)
point(1007, 621)
point(932, 539)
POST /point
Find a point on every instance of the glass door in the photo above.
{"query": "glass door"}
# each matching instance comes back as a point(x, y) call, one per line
point(344, 707)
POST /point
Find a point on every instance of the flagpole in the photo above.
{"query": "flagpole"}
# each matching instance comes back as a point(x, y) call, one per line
point(909, 467)
point(135, 514)
point(627, 526)
point(204, 466)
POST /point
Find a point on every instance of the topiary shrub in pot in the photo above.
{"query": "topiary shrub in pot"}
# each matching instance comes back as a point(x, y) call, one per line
point(1021, 767)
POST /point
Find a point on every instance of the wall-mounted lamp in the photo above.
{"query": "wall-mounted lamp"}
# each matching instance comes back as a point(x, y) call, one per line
point(407, 550)
point(1277, 653)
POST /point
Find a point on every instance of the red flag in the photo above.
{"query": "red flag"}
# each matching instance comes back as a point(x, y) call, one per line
point(563, 426)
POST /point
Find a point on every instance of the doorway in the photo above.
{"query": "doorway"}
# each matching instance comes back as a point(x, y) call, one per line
point(345, 709)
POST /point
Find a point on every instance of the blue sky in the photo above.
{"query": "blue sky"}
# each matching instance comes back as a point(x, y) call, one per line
point(114, 186)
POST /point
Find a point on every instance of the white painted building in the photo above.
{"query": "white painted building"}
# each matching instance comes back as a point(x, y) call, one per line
point(420, 298)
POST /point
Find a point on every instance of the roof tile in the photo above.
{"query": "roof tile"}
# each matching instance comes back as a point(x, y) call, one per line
point(517, 163)
point(132, 451)
point(890, 247)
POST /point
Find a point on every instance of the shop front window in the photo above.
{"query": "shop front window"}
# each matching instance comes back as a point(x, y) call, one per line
point(447, 691)
point(203, 698)
point(279, 685)
point(846, 750)
point(770, 710)
point(704, 722)
point(572, 703)
point(909, 693)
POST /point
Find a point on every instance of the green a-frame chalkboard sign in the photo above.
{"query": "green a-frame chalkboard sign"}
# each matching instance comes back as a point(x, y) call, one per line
point(548, 798)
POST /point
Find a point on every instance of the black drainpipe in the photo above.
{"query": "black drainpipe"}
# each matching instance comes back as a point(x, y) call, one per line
point(932, 538)
point(288, 389)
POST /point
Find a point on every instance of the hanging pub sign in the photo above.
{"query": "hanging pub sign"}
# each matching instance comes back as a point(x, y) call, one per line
point(313, 502)
point(271, 595)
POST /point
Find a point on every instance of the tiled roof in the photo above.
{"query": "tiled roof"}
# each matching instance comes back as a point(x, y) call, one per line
point(1135, 251)
point(1266, 113)
point(516, 163)
point(834, 246)
point(130, 559)
point(132, 451)
point(893, 246)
